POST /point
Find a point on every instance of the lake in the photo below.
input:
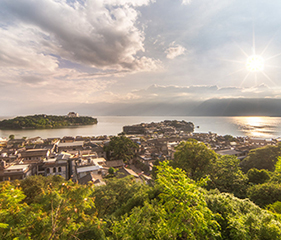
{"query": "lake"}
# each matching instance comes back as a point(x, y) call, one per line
point(261, 127)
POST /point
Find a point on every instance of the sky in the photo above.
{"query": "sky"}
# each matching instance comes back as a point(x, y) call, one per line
point(56, 52)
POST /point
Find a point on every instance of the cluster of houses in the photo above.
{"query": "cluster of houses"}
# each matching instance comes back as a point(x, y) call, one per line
point(77, 158)
point(159, 140)
point(84, 159)
point(165, 147)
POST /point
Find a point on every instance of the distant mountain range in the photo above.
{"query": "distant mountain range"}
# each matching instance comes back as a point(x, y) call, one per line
point(211, 107)
point(238, 107)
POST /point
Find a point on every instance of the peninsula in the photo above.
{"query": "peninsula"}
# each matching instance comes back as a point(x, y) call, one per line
point(164, 127)
point(46, 121)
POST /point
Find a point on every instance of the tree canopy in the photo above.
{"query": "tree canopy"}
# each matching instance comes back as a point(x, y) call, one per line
point(180, 213)
point(242, 219)
point(264, 194)
point(121, 148)
point(175, 207)
point(195, 158)
point(278, 165)
point(60, 212)
point(262, 158)
point(257, 176)
point(227, 176)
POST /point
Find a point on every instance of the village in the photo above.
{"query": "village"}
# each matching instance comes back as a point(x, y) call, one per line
point(84, 159)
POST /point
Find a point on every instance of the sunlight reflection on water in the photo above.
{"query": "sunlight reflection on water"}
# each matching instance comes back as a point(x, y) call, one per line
point(263, 127)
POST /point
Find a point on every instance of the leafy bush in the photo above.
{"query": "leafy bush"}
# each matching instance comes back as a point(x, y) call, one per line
point(227, 176)
point(261, 158)
point(265, 194)
point(242, 219)
point(257, 176)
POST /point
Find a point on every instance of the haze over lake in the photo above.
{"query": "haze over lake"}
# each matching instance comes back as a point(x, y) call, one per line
point(261, 127)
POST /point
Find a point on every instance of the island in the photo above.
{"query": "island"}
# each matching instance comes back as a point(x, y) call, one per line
point(166, 126)
point(44, 121)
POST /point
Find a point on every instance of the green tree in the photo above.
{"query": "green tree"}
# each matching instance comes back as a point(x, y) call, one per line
point(179, 212)
point(274, 207)
point(261, 158)
point(34, 186)
point(275, 177)
point(64, 212)
point(229, 138)
point(257, 176)
point(121, 148)
point(12, 137)
point(195, 158)
point(60, 212)
point(111, 170)
point(227, 176)
point(265, 194)
point(13, 213)
point(242, 219)
point(278, 165)
point(114, 194)
point(154, 168)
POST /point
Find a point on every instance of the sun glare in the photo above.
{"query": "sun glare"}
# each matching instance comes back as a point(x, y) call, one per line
point(255, 63)
point(261, 127)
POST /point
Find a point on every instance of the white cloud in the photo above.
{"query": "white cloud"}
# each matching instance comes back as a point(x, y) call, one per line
point(174, 51)
point(19, 49)
point(101, 34)
point(99, 50)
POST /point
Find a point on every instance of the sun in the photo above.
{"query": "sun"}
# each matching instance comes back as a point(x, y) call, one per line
point(255, 63)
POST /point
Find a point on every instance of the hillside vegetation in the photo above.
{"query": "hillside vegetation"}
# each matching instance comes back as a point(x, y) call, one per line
point(199, 196)
point(45, 121)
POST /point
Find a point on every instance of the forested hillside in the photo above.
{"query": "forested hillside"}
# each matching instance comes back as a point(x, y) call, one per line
point(199, 195)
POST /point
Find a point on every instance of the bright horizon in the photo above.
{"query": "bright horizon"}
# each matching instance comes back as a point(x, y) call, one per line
point(65, 55)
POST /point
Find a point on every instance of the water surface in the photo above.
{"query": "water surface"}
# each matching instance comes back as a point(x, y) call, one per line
point(262, 127)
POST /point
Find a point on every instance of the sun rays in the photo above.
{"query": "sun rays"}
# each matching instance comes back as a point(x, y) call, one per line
point(256, 64)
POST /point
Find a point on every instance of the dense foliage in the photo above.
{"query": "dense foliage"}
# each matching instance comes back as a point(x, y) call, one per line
point(278, 165)
point(195, 158)
point(174, 207)
point(121, 148)
point(45, 121)
point(227, 176)
point(61, 212)
point(179, 212)
point(242, 219)
point(264, 194)
point(257, 176)
point(262, 158)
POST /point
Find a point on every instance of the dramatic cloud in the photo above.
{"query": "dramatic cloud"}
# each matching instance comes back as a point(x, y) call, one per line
point(174, 51)
point(97, 33)
point(132, 51)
